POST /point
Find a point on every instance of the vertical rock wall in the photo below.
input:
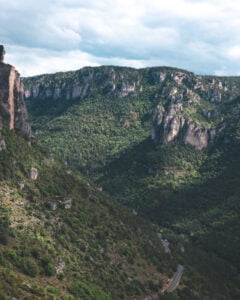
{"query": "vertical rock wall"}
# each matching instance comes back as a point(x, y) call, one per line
point(12, 107)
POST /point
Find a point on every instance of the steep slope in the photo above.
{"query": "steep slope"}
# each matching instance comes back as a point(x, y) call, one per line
point(107, 110)
point(163, 141)
point(61, 237)
point(66, 235)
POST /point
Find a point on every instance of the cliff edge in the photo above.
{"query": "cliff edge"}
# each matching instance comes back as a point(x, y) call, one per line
point(13, 111)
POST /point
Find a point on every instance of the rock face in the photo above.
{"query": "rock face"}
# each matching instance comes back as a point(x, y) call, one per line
point(170, 127)
point(12, 107)
point(83, 83)
point(182, 117)
point(188, 108)
point(2, 53)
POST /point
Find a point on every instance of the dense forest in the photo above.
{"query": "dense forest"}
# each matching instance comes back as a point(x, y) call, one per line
point(193, 194)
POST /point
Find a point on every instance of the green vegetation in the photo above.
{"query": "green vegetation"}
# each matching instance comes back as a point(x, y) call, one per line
point(193, 196)
point(81, 290)
point(86, 251)
point(97, 130)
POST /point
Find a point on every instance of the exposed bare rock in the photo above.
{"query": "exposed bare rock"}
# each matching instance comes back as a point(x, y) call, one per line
point(134, 212)
point(179, 77)
point(169, 126)
point(2, 53)
point(2, 144)
point(12, 107)
point(53, 205)
point(67, 203)
point(164, 242)
point(185, 117)
point(181, 247)
point(60, 266)
point(82, 84)
point(190, 109)
point(159, 77)
point(21, 185)
point(195, 136)
point(215, 95)
point(34, 173)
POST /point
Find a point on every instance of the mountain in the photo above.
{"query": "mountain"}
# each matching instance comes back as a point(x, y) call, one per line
point(178, 106)
point(163, 141)
point(61, 236)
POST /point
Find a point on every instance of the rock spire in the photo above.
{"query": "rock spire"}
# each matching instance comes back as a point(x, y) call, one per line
point(2, 53)
point(13, 111)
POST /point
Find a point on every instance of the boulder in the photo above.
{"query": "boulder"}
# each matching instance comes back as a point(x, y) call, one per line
point(34, 173)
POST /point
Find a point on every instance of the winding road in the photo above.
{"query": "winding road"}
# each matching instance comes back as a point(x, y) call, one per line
point(176, 279)
point(174, 283)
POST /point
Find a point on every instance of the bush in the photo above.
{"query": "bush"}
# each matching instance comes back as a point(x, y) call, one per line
point(87, 291)
point(29, 268)
point(36, 252)
point(48, 267)
point(3, 238)
point(53, 290)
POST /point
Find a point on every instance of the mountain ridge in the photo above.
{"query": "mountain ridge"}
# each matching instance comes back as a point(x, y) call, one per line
point(185, 107)
point(61, 236)
point(185, 178)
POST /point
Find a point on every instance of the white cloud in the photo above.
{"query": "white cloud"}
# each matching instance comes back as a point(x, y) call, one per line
point(56, 35)
point(37, 61)
point(234, 52)
point(44, 61)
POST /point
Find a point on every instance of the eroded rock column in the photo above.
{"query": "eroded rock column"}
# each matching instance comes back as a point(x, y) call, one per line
point(12, 107)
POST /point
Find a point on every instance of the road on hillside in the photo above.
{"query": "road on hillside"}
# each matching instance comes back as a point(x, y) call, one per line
point(175, 282)
point(176, 279)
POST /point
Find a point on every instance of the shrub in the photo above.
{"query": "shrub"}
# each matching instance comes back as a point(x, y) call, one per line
point(29, 268)
point(87, 291)
point(48, 267)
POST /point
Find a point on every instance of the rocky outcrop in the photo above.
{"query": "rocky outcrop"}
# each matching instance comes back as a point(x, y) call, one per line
point(33, 173)
point(12, 107)
point(188, 108)
point(82, 83)
point(186, 117)
point(2, 53)
point(2, 145)
point(170, 127)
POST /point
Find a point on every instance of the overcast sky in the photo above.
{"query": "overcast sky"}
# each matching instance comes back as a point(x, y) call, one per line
point(58, 35)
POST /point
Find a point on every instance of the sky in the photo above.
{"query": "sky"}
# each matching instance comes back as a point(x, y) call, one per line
point(59, 35)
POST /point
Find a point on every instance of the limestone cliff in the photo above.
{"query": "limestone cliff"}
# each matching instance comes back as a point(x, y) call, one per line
point(170, 127)
point(12, 107)
point(188, 108)
point(83, 83)
point(191, 113)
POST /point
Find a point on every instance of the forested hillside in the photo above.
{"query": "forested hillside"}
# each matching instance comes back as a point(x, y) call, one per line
point(162, 141)
point(61, 236)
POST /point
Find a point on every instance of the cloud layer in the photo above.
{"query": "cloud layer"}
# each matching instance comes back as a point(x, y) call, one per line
point(58, 35)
